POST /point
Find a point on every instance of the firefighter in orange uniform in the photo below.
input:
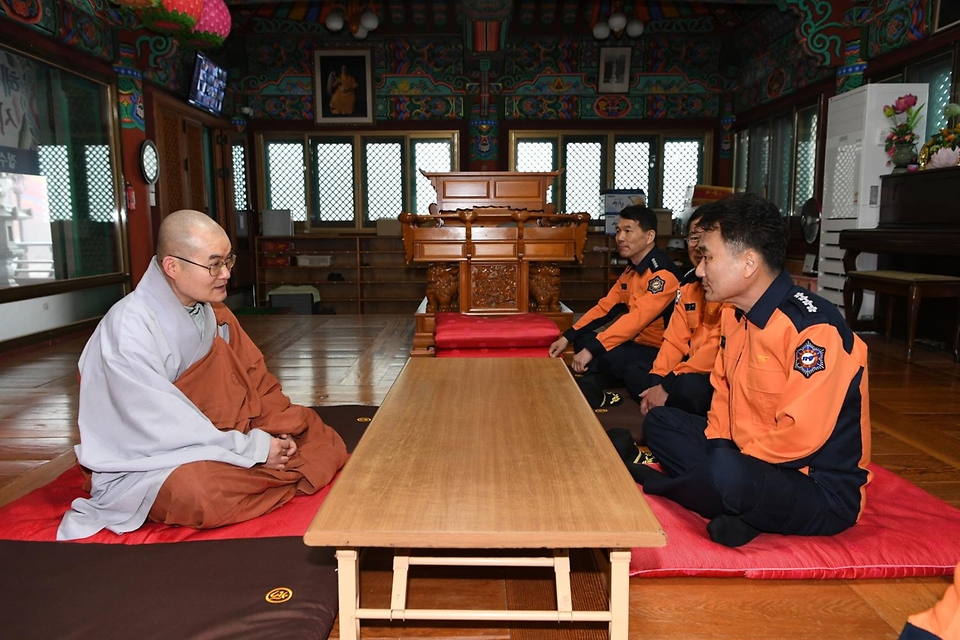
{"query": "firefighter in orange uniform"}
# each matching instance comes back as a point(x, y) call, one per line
point(635, 312)
point(786, 443)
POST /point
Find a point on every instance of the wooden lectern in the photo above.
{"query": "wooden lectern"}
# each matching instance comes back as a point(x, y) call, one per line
point(492, 241)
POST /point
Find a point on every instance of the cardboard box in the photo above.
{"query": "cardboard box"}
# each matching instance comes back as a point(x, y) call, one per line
point(613, 201)
point(388, 227)
point(276, 261)
point(314, 261)
point(276, 245)
point(664, 222)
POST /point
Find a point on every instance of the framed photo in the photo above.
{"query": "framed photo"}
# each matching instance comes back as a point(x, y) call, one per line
point(343, 86)
point(946, 14)
point(614, 73)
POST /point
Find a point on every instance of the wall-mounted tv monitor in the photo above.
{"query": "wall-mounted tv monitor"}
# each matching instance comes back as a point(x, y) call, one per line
point(209, 85)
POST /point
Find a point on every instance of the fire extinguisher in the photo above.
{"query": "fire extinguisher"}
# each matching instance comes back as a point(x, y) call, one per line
point(131, 197)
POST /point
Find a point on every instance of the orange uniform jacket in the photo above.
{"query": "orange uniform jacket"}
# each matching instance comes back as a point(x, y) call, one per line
point(790, 388)
point(642, 297)
point(692, 339)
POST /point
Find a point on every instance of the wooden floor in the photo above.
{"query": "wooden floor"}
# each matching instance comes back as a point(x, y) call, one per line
point(353, 360)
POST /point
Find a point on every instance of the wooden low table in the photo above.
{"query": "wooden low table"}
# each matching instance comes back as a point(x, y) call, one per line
point(490, 454)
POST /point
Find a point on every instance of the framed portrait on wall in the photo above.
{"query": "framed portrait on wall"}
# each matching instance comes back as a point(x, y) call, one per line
point(946, 14)
point(614, 72)
point(343, 86)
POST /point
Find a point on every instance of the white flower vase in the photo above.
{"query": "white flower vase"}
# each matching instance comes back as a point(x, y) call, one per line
point(943, 157)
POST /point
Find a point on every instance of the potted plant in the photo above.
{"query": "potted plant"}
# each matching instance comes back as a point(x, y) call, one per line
point(901, 142)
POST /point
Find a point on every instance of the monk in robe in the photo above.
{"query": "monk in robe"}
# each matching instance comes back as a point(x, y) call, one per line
point(180, 421)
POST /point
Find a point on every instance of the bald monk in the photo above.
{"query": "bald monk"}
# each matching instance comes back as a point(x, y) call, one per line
point(180, 422)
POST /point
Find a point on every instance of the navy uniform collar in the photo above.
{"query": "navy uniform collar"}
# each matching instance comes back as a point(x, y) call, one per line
point(769, 301)
point(654, 261)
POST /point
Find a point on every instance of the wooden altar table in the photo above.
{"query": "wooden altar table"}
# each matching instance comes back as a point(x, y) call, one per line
point(489, 454)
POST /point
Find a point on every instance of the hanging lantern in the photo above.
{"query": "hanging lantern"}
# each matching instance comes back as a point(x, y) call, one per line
point(172, 16)
point(213, 27)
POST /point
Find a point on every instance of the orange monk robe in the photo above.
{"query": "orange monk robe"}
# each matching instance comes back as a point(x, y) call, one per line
point(232, 387)
point(943, 619)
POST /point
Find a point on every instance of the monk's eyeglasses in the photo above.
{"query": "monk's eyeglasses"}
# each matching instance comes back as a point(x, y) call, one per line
point(216, 267)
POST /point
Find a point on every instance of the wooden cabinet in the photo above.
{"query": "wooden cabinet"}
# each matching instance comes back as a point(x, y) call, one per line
point(355, 274)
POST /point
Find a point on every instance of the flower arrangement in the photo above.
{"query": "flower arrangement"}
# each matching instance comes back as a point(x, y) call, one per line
point(947, 138)
point(902, 131)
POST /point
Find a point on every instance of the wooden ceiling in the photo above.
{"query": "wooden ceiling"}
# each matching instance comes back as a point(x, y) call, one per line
point(522, 18)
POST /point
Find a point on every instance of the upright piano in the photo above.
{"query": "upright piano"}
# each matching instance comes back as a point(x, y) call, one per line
point(918, 230)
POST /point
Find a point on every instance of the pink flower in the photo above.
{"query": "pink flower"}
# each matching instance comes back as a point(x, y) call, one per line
point(904, 102)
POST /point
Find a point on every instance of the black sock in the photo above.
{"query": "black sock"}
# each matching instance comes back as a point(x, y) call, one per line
point(623, 442)
point(731, 531)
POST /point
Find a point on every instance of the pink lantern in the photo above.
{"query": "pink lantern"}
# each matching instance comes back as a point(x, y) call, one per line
point(172, 16)
point(213, 27)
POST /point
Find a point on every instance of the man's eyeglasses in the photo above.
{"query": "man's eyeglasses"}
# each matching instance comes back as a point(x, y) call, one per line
point(216, 267)
point(693, 238)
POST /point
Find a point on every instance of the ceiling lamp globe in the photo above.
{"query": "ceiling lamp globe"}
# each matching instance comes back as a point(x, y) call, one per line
point(369, 20)
point(601, 30)
point(617, 21)
point(334, 21)
point(634, 28)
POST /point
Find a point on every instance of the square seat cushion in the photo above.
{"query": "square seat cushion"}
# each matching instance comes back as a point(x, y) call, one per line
point(520, 330)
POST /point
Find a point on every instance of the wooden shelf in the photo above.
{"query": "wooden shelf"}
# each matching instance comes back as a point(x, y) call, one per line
point(375, 265)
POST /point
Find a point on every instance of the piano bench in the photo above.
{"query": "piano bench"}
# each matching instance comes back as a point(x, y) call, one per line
point(894, 284)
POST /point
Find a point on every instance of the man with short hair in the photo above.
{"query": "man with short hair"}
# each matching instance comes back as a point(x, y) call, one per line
point(680, 376)
point(786, 443)
point(180, 422)
point(634, 313)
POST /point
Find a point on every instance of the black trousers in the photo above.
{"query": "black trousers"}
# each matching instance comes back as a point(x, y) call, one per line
point(712, 477)
point(692, 393)
point(626, 365)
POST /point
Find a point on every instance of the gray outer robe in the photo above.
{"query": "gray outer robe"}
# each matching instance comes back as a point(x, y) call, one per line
point(136, 427)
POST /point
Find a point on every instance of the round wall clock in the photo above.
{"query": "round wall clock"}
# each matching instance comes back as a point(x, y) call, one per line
point(149, 162)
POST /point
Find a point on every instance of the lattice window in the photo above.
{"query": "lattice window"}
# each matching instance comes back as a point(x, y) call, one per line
point(239, 154)
point(938, 74)
point(537, 156)
point(582, 180)
point(806, 163)
point(682, 169)
point(759, 167)
point(781, 161)
point(333, 162)
point(285, 184)
point(631, 166)
point(55, 167)
point(101, 206)
point(432, 155)
point(383, 172)
point(742, 160)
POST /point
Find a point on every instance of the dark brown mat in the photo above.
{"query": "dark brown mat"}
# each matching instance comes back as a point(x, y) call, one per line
point(213, 589)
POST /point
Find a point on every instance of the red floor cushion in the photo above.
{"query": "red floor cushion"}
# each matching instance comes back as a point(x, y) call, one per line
point(503, 352)
point(461, 331)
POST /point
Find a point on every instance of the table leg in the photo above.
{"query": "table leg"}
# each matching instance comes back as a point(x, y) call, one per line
point(912, 319)
point(348, 571)
point(619, 594)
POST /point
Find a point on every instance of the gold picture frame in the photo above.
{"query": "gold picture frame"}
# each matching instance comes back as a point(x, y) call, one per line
point(343, 86)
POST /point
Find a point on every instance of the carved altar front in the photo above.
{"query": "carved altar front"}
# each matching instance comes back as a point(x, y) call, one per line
point(490, 256)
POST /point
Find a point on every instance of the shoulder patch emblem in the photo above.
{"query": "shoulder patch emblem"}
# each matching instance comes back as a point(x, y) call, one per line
point(656, 284)
point(810, 358)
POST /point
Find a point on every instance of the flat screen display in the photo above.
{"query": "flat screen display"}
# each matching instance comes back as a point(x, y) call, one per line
point(209, 85)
